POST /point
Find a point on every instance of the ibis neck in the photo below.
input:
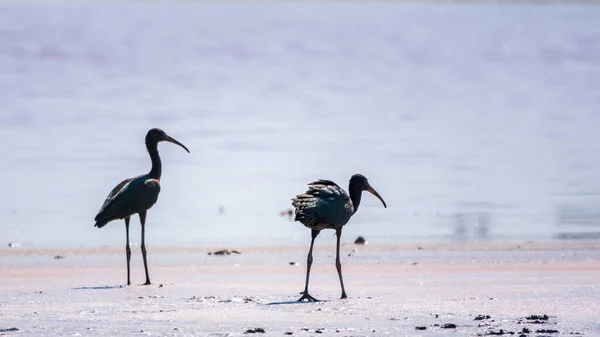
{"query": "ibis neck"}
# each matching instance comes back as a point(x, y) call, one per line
point(355, 194)
point(156, 170)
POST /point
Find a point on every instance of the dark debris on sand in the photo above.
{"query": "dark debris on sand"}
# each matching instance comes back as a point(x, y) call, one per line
point(224, 252)
point(499, 333)
point(485, 325)
point(546, 331)
point(502, 332)
point(534, 319)
point(255, 330)
point(9, 330)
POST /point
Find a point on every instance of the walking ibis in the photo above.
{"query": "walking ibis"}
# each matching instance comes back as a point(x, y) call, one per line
point(327, 206)
point(136, 195)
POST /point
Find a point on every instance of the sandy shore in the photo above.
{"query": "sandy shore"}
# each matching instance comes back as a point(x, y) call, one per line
point(393, 289)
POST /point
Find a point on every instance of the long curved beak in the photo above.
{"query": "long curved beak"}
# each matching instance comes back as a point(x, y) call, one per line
point(372, 191)
point(172, 140)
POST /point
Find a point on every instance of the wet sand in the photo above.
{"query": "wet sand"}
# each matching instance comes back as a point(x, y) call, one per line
point(392, 289)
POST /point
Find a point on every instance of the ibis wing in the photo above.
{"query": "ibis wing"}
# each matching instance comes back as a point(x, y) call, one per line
point(324, 182)
point(324, 202)
point(131, 196)
point(112, 196)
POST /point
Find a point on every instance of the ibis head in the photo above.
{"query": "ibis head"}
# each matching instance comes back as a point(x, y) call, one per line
point(154, 136)
point(361, 183)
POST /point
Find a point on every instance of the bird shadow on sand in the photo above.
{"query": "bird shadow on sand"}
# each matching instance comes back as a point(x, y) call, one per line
point(294, 302)
point(99, 288)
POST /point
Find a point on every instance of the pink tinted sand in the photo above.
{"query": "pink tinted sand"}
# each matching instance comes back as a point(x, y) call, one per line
point(392, 289)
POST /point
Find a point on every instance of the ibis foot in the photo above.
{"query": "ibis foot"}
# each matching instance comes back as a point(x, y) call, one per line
point(343, 296)
point(306, 296)
point(146, 284)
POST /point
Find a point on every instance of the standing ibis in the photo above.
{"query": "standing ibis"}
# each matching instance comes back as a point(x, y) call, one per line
point(326, 205)
point(136, 195)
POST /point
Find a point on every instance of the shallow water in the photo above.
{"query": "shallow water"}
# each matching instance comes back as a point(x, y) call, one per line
point(447, 109)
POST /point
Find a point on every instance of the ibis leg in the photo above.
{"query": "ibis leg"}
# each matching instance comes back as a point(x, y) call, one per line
point(127, 250)
point(338, 265)
point(309, 261)
point(143, 221)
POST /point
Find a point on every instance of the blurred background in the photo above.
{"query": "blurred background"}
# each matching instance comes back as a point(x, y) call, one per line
point(474, 121)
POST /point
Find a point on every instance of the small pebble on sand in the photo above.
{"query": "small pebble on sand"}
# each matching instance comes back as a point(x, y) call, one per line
point(360, 241)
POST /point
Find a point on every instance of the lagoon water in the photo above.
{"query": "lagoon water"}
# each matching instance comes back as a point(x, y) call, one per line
point(474, 109)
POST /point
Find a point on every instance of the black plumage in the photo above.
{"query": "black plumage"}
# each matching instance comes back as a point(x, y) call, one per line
point(327, 206)
point(136, 196)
